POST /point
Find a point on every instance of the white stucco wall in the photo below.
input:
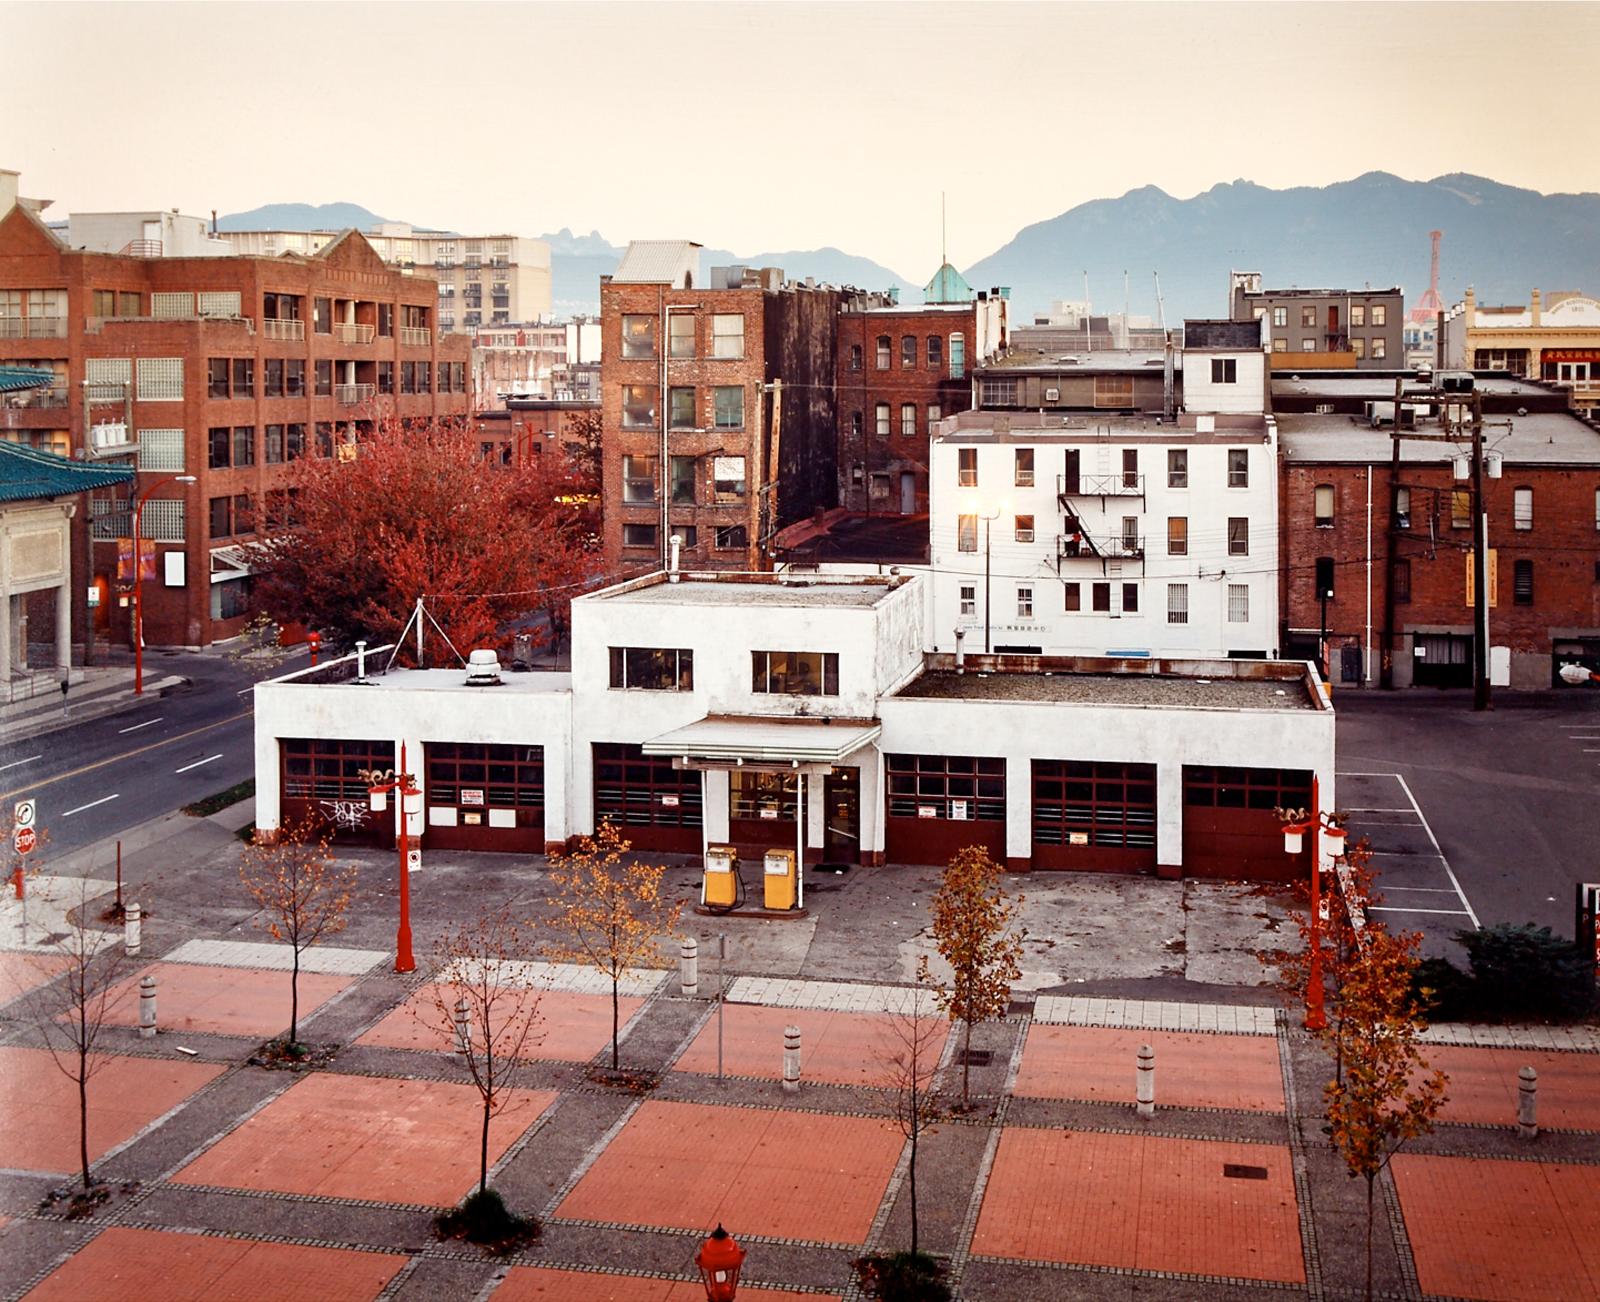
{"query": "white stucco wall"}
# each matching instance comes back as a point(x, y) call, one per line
point(1246, 394)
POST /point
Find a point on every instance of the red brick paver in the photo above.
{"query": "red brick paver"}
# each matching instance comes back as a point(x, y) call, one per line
point(835, 1047)
point(1196, 1071)
point(790, 1174)
point(125, 1264)
point(224, 1000)
point(387, 1140)
point(20, 973)
point(39, 1119)
point(542, 1284)
point(1487, 1228)
point(1483, 1085)
point(1143, 1203)
point(571, 1027)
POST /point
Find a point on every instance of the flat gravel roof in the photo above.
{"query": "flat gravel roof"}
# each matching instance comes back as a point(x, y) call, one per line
point(1169, 690)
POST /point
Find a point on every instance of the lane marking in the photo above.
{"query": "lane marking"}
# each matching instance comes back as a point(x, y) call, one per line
point(1420, 890)
point(117, 759)
point(1339, 774)
point(18, 763)
point(1449, 872)
point(69, 813)
point(1375, 809)
point(1454, 913)
point(145, 724)
point(198, 763)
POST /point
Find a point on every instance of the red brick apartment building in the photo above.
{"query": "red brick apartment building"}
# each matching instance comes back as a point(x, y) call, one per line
point(1335, 516)
point(226, 368)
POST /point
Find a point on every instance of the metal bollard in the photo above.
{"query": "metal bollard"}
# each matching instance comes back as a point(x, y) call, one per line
point(689, 966)
point(1528, 1104)
point(1145, 1081)
point(463, 1026)
point(130, 929)
point(147, 1008)
point(791, 1059)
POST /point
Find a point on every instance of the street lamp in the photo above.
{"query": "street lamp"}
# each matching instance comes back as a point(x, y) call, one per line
point(139, 500)
point(1317, 824)
point(988, 519)
point(410, 795)
point(719, 1260)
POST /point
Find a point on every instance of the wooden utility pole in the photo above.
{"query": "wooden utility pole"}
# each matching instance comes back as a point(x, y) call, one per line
point(1386, 663)
point(768, 516)
point(1480, 566)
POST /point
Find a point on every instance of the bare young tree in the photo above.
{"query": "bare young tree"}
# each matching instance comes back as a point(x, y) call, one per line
point(296, 882)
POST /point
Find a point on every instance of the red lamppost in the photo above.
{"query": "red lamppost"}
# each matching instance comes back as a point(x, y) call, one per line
point(410, 795)
point(1316, 825)
point(139, 500)
point(719, 1260)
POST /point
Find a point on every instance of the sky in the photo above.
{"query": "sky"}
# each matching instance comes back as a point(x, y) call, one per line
point(769, 127)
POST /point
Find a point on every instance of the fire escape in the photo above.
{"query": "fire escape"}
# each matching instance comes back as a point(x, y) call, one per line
point(1077, 542)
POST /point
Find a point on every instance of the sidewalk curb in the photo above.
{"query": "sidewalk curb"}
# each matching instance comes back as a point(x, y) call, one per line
point(44, 722)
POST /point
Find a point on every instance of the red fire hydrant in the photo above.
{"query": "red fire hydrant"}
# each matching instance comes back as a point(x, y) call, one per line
point(314, 641)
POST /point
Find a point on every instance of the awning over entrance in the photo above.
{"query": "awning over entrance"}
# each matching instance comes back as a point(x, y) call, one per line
point(231, 563)
point(754, 740)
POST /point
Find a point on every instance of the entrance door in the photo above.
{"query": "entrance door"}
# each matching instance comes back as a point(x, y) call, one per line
point(908, 496)
point(1443, 660)
point(841, 805)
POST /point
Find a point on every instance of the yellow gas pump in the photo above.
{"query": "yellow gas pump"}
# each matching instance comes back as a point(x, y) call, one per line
point(781, 881)
point(720, 887)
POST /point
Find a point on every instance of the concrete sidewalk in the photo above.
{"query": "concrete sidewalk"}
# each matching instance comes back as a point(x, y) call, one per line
point(94, 692)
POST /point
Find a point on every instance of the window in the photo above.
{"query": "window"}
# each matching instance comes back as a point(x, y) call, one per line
point(274, 445)
point(1380, 316)
point(855, 357)
point(1597, 510)
point(1461, 509)
point(957, 787)
point(687, 534)
point(385, 377)
point(680, 407)
point(639, 479)
point(1177, 467)
point(1130, 598)
point(727, 335)
point(1130, 467)
point(639, 405)
point(731, 538)
point(1324, 577)
point(324, 378)
point(729, 400)
point(244, 377)
point(1177, 535)
point(424, 377)
point(1074, 598)
point(322, 316)
point(332, 770)
point(638, 535)
point(385, 320)
point(652, 669)
point(1238, 603)
point(935, 352)
point(935, 415)
point(1379, 348)
point(160, 379)
point(967, 467)
point(794, 673)
point(220, 445)
point(908, 419)
point(969, 599)
point(1280, 344)
point(1280, 316)
point(1177, 603)
point(1402, 508)
point(1358, 314)
point(966, 533)
point(1238, 535)
point(294, 377)
point(244, 445)
point(638, 335)
point(1023, 472)
point(1522, 583)
point(855, 424)
point(683, 481)
point(1238, 467)
point(216, 376)
point(221, 517)
point(325, 439)
point(880, 420)
point(1130, 535)
point(1308, 318)
point(1358, 346)
point(958, 356)
point(1308, 345)
point(908, 352)
point(1024, 528)
point(997, 392)
point(1522, 508)
point(727, 478)
point(1323, 506)
point(274, 377)
point(680, 334)
point(1402, 582)
point(1024, 603)
point(1100, 597)
point(883, 352)
point(1224, 370)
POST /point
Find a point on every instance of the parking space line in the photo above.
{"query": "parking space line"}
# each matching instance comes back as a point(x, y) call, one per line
point(1420, 890)
point(1376, 809)
point(68, 813)
point(1454, 913)
point(1449, 872)
point(1339, 774)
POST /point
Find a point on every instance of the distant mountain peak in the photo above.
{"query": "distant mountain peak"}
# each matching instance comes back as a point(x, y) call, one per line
point(301, 217)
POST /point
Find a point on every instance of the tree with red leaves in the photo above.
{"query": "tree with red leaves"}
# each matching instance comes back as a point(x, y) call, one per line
point(420, 511)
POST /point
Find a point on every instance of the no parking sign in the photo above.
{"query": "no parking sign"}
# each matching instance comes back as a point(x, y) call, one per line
point(23, 836)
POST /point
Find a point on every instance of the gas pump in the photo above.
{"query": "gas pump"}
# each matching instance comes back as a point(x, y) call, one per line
point(779, 876)
point(722, 886)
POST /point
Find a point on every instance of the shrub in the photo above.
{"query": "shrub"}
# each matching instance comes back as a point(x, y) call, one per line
point(483, 1218)
point(1518, 973)
point(902, 1277)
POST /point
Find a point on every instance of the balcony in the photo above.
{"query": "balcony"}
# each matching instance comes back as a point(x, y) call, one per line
point(499, 260)
point(35, 399)
point(444, 264)
point(1124, 484)
point(353, 395)
point(415, 336)
point(347, 333)
point(1080, 546)
point(33, 327)
point(278, 328)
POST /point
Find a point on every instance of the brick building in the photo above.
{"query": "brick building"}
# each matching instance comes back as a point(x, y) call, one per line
point(1312, 328)
point(1543, 537)
point(223, 368)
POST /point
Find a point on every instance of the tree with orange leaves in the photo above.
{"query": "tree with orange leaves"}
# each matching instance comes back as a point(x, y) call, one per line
point(611, 911)
point(303, 893)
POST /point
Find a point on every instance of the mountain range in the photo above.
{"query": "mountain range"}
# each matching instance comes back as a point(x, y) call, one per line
point(1371, 230)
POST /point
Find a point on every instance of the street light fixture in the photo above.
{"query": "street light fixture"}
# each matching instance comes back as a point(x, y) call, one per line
point(1317, 824)
point(988, 519)
point(139, 499)
point(404, 785)
point(719, 1261)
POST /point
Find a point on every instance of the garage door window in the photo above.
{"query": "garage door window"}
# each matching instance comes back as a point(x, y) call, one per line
point(469, 774)
point(1080, 802)
point(960, 787)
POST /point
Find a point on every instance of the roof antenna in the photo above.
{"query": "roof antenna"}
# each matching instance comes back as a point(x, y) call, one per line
point(943, 256)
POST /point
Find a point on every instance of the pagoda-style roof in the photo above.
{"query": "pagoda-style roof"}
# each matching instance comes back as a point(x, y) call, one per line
point(27, 474)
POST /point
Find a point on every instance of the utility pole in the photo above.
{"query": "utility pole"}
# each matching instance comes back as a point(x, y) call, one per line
point(1386, 663)
point(1480, 566)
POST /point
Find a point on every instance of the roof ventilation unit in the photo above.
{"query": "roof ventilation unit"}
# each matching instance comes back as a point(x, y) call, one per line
point(483, 669)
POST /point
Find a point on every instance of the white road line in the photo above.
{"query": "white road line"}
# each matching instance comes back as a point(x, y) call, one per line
point(70, 812)
point(1449, 872)
point(1413, 855)
point(20, 762)
point(1419, 890)
point(1376, 809)
point(198, 763)
point(145, 724)
point(1454, 913)
point(1395, 776)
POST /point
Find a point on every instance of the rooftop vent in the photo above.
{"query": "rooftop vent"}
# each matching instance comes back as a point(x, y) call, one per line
point(483, 669)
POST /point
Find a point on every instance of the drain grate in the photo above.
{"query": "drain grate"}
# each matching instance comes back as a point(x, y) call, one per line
point(1236, 1171)
point(975, 1057)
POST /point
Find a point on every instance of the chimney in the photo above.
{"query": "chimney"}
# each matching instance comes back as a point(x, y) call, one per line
point(361, 662)
point(1536, 306)
point(213, 223)
point(961, 651)
point(672, 557)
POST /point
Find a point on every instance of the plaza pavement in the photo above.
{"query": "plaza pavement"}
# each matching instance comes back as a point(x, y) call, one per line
point(236, 1181)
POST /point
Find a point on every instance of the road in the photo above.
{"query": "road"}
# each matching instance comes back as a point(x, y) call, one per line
point(94, 780)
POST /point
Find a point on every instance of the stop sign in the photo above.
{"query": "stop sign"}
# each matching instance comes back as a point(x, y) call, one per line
point(24, 839)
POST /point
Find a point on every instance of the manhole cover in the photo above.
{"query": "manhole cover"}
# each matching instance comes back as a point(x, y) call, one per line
point(1236, 1171)
point(975, 1057)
